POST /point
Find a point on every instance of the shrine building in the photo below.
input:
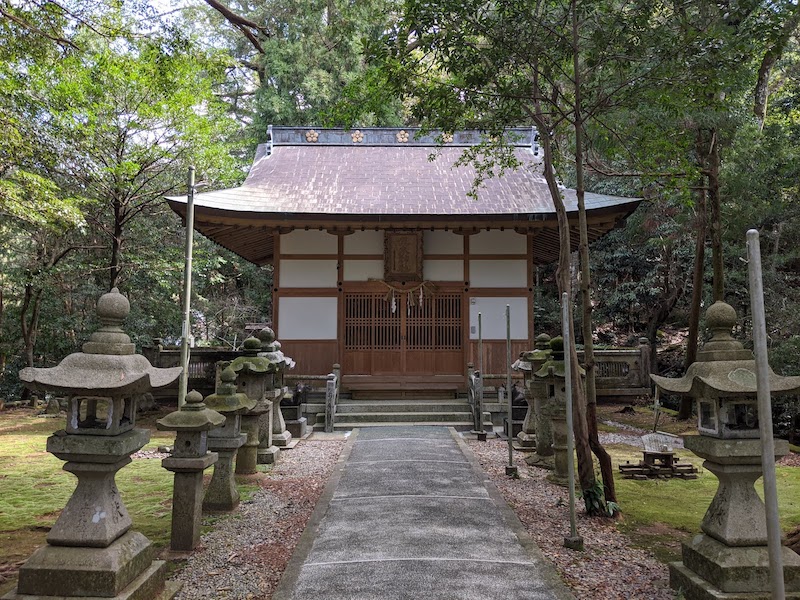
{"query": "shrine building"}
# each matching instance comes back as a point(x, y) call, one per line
point(383, 260)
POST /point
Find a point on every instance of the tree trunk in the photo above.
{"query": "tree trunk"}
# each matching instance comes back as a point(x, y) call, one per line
point(606, 469)
point(116, 246)
point(771, 56)
point(761, 93)
point(29, 320)
point(582, 447)
point(685, 411)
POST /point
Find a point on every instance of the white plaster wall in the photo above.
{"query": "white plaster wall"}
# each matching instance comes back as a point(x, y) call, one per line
point(307, 273)
point(443, 270)
point(307, 318)
point(495, 241)
point(363, 270)
point(493, 318)
point(442, 242)
point(498, 273)
point(301, 241)
point(364, 242)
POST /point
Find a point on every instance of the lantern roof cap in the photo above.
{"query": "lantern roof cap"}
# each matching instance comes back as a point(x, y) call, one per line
point(108, 365)
point(723, 366)
point(192, 416)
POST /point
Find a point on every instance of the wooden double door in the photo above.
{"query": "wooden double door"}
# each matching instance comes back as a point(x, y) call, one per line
point(403, 333)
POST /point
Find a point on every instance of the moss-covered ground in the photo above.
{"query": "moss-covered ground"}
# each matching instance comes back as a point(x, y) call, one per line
point(34, 488)
point(656, 514)
point(660, 513)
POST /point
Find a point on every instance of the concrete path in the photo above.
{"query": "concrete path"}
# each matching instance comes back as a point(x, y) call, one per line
point(408, 513)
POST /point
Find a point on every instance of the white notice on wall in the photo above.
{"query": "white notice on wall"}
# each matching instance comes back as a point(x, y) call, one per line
point(493, 318)
point(307, 318)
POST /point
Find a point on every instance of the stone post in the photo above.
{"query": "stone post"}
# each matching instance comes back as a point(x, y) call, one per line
point(730, 558)
point(222, 494)
point(91, 550)
point(189, 459)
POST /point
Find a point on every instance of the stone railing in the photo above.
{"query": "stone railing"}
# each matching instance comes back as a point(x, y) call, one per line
point(622, 371)
point(202, 366)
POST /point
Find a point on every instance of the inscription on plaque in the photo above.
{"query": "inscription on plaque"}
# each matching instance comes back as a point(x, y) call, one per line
point(403, 256)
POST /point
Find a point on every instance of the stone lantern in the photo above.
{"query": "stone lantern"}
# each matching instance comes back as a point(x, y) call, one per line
point(530, 362)
point(551, 387)
point(222, 494)
point(188, 461)
point(730, 557)
point(255, 376)
point(91, 550)
point(271, 349)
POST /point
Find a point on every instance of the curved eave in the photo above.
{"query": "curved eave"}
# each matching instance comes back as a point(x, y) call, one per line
point(249, 233)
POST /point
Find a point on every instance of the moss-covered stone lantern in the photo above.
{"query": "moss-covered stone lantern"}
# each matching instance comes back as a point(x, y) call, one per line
point(190, 457)
point(730, 558)
point(271, 349)
point(529, 362)
point(91, 550)
point(551, 379)
point(222, 494)
point(256, 377)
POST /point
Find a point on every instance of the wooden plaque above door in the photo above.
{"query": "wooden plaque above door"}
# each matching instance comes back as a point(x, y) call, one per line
point(402, 258)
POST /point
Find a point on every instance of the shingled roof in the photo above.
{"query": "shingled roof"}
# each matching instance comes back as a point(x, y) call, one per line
point(385, 178)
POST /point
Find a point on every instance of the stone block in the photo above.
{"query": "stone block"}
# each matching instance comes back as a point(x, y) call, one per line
point(95, 515)
point(694, 587)
point(737, 568)
point(297, 427)
point(103, 572)
point(268, 456)
point(81, 448)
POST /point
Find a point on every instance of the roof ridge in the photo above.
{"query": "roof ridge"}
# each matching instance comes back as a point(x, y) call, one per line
point(394, 136)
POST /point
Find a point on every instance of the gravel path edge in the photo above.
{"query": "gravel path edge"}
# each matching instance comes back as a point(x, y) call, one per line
point(289, 579)
point(549, 572)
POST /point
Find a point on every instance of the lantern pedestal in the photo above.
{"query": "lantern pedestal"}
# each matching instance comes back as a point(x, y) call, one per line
point(526, 438)
point(123, 570)
point(560, 474)
point(544, 455)
point(222, 494)
point(268, 452)
point(247, 457)
point(730, 558)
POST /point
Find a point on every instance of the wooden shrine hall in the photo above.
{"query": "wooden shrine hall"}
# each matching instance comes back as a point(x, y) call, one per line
point(382, 260)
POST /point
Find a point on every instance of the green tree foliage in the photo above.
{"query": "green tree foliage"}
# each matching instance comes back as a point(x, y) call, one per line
point(100, 120)
point(297, 61)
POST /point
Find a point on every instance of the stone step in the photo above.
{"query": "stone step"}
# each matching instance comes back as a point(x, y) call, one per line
point(401, 406)
point(406, 417)
point(461, 425)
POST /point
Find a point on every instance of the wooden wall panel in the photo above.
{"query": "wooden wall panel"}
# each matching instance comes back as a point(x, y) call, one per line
point(494, 354)
point(312, 357)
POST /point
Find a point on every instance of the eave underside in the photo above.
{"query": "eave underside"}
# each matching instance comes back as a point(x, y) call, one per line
point(251, 236)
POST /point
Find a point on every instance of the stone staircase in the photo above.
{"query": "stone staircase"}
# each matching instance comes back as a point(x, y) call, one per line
point(382, 412)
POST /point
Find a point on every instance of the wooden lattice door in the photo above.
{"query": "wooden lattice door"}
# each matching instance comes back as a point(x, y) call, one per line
point(402, 335)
